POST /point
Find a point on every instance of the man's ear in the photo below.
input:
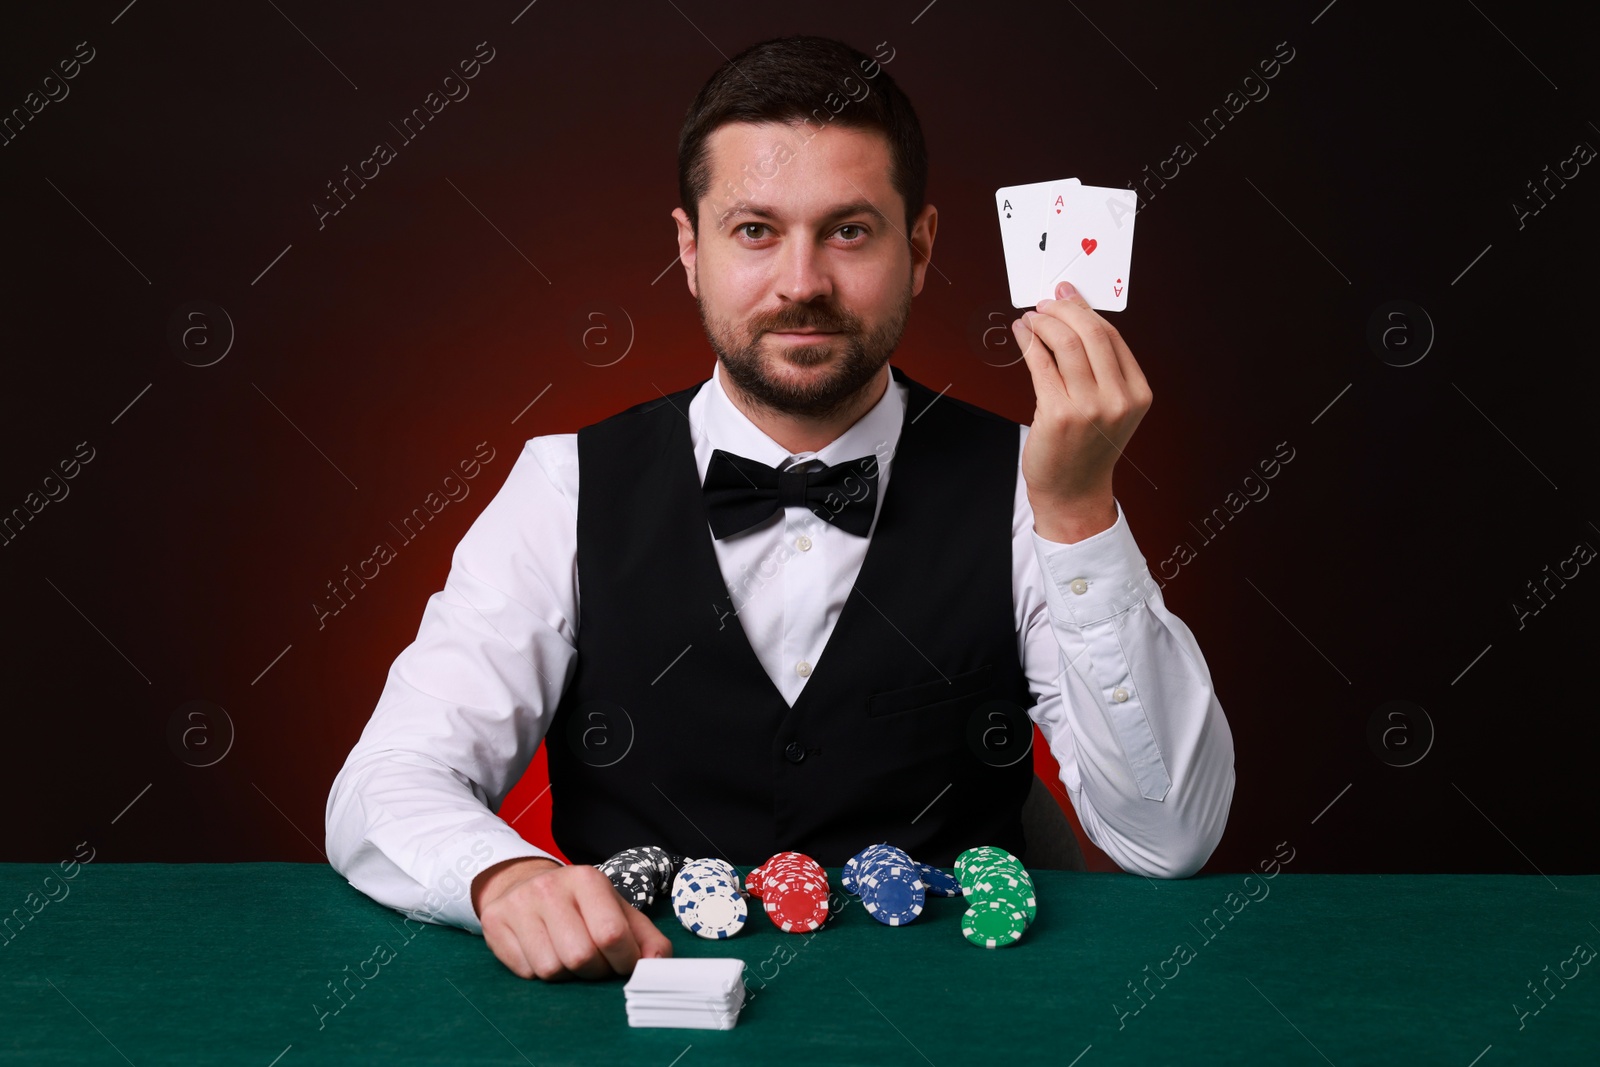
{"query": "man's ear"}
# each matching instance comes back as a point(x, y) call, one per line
point(922, 231)
point(686, 248)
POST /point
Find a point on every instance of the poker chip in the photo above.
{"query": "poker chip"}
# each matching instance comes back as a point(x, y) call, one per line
point(1000, 897)
point(1017, 898)
point(993, 924)
point(940, 883)
point(791, 866)
point(785, 860)
point(997, 875)
point(793, 889)
point(892, 893)
point(872, 855)
point(664, 863)
point(709, 864)
point(996, 889)
point(995, 878)
point(889, 883)
point(977, 857)
point(634, 877)
point(796, 904)
point(635, 888)
point(641, 874)
point(710, 909)
point(1010, 870)
point(693, 882)
point(996, 869)
point(706, 897)
point(704, 869)
point(852, 866)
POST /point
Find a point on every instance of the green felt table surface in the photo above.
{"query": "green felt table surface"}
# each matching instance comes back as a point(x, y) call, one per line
point(228, 964)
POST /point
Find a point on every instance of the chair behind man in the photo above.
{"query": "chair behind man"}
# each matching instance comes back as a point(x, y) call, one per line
point(1049, 841)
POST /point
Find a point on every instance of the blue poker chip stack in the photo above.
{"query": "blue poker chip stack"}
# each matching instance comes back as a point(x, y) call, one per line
point(892, 886)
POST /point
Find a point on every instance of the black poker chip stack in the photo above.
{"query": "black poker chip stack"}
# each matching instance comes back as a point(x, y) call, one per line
point(642, 874)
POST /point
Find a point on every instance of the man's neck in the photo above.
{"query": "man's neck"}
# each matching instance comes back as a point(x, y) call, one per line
point(797, 434)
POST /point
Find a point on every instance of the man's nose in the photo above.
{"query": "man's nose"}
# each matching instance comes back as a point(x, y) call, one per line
point(802, 271)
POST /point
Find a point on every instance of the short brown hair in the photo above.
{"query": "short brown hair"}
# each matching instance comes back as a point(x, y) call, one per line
point(793, 79)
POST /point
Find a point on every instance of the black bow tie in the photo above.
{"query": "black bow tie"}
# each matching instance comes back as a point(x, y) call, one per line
point(741, 492)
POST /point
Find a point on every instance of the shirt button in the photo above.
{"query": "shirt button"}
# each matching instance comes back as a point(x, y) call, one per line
point(803, 669)
point(803, 543)
point(1079, 586)
point(795, 752)
point(1119, 694)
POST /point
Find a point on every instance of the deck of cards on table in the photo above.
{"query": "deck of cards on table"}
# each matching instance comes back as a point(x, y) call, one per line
point(694, 994)
point(1065, 231)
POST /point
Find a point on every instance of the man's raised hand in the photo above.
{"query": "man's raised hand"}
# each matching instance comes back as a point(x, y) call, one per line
point(1089, 397)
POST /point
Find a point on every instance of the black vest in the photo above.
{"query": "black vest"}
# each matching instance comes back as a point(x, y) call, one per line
point(910, 727)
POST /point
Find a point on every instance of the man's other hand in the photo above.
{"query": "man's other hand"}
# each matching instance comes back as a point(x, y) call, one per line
point(543, 919)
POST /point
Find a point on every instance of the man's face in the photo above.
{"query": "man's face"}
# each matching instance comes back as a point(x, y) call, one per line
point(804, 288)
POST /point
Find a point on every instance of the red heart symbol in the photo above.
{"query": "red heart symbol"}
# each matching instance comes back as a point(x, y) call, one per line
point(1089, 245)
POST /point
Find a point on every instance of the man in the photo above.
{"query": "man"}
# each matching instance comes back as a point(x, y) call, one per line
point(807, 495)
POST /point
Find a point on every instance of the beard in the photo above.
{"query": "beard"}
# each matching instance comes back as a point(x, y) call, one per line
point(858, 355)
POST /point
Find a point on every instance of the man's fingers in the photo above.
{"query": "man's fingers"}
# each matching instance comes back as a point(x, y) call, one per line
point(533, 937)
point(623, 934)
point(523, 945)
point(579, 955)
point(1138, 388)
point(566, 906)
point(1132, 373)
point(506, 945)
point(542, 914)
point(1048, 387)
point(1070, 358)
point(606, 935)
point(1094, 335)
point(609, 921)
point(569, 923)
point(653, 944)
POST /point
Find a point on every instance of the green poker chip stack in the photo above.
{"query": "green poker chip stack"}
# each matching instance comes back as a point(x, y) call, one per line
point(1000, 898)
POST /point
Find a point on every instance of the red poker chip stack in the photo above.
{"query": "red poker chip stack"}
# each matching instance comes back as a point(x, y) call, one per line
point(793, 888)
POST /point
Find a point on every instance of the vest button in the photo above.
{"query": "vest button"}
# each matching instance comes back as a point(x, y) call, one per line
point(795, 752)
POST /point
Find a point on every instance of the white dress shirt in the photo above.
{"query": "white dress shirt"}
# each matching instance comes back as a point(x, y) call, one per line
point(1123, 695)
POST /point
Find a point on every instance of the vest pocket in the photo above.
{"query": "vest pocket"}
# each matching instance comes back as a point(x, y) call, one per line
point(925, 695)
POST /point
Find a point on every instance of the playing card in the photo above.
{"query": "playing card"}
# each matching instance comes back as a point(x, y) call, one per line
point(682, 974)
point(1088, 241)
point(1022, 210)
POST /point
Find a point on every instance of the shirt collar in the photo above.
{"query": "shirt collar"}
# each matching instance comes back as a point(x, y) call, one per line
point(717, 422)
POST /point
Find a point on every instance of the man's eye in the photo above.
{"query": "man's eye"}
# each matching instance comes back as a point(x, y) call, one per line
point(850, 231)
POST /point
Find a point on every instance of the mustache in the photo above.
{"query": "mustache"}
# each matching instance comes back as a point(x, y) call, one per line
point(796, 319)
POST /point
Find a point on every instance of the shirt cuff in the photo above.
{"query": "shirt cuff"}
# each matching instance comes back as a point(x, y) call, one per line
point(448, 897)
point(1094, 579)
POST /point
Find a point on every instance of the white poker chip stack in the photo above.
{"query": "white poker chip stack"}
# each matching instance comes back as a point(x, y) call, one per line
point(707, 900)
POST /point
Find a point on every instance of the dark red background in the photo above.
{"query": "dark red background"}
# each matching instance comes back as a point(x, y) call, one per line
point(408, 330)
